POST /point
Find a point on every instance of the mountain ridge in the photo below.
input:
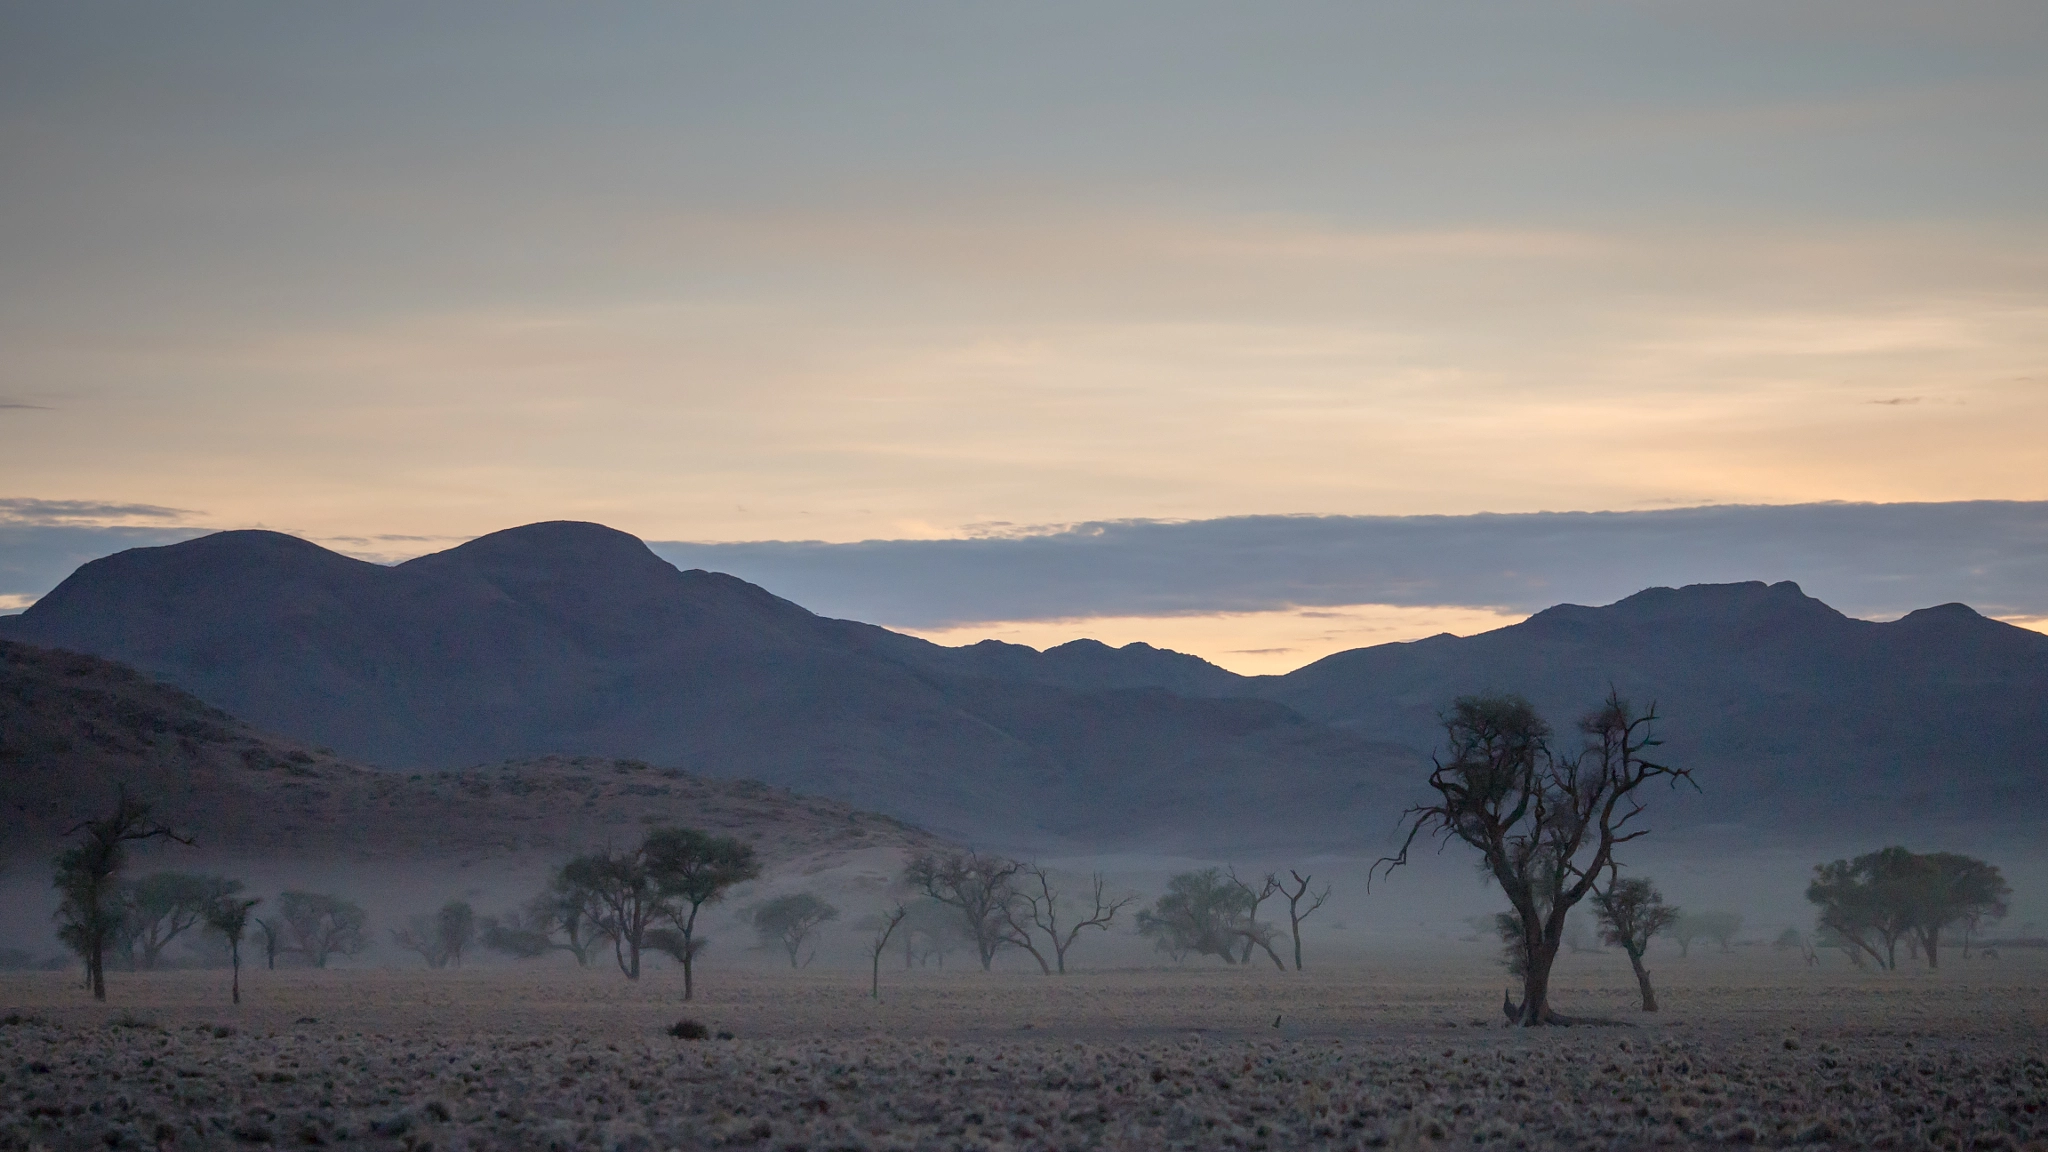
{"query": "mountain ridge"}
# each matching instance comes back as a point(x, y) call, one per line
point(572, 638)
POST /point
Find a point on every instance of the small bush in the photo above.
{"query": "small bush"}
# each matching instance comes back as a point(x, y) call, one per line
point(129, 1019)
point(687, 1029)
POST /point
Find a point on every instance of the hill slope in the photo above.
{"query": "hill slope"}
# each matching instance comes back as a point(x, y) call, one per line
point(574, 639)
point(74, 729)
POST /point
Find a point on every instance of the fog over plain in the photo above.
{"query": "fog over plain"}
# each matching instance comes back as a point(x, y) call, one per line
point(1258, 332)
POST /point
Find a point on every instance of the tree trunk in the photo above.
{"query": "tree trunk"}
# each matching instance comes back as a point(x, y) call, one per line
point(96, 967)
point(1536, 984)
point(689, 987)
point(1297, 945)
point(1635, 959)
point(1929, 941)
point(235, 956)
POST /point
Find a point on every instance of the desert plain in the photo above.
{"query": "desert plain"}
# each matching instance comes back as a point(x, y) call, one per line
point(1401, 1049)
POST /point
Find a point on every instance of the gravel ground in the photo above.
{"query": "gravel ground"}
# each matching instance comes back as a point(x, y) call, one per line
point(1400, 1054)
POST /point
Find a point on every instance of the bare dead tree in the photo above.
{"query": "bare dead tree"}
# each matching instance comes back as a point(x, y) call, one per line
point(1546, 824)
point(1296, 912)
point(1042, 910)
point(1254, 932)
point(885, 927)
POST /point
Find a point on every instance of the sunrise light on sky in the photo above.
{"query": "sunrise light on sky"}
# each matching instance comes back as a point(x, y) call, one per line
point(391, 276)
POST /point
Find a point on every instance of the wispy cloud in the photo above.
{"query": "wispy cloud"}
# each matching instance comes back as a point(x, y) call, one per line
point(27, 510)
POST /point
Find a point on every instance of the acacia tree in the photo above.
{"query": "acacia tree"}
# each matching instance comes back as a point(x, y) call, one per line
point(1866, 905)
point(1631, 911)
point(1202, 913)
point(563, 910)
point(691, 869)
point(323, 925)
point(87, 878)
point(1040, 910)
point(160, 907)
point(788, 921)
point(440, 939)
point(1546, 824)
point(229, 916)
point(1955, 889)
point(1301, 903)
point(1872, 902)
point(981, 888)
point(623, 896)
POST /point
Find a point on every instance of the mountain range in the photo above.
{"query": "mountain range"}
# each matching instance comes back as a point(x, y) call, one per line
point(574, 639)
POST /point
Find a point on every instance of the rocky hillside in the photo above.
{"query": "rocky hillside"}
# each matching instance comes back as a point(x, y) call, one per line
point(75, 729)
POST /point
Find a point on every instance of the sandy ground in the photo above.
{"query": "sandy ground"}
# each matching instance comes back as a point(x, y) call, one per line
point(1399, 1050)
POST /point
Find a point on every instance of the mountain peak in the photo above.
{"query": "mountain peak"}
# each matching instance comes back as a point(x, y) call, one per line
point(548, 548)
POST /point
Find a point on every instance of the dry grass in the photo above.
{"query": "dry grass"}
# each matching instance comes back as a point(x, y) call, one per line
point(1400, 1052)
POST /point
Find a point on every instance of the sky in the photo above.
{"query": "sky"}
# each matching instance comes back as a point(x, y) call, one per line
point(391, 276)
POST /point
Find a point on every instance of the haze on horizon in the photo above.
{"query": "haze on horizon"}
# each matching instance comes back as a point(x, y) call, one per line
point(392, 277)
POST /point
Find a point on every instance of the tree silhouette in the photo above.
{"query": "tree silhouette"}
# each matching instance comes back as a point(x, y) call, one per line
point(1296, 912)
point(788, 921)
point(229, 916)
point(87, 878)
point(981, 888)
point(1631, 911)
point(1545, 823)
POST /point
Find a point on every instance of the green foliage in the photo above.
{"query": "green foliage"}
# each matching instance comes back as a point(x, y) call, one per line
point(1867, 905)
point(1203, 913)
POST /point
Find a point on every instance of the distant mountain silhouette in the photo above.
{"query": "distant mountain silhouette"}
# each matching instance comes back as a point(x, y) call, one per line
point(568, 638)
point(1791, 710)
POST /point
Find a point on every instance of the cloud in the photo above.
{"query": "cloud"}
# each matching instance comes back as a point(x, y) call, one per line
point(1873, 560)
point(24, 510)
point(16, 404)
